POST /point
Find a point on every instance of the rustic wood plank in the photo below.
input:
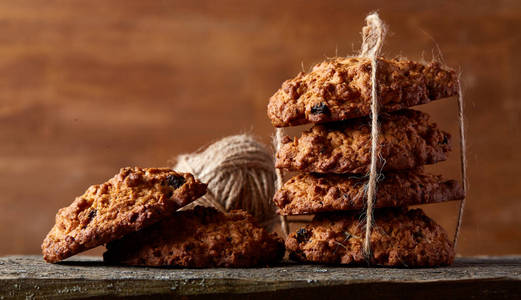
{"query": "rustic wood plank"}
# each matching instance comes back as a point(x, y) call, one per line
point(80, 277)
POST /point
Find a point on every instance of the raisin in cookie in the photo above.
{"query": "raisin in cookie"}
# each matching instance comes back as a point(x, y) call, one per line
point(400, 238)
point(131, 200)
point(202, 237)
point(315, 193)
point(408, 139)
point(340, 89)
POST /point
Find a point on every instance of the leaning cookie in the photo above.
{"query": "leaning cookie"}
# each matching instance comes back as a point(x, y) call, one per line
point(315, 193)
point(399, 238)
point(131, 200)
point(199, 238)
point(340, 89)
point(408, 139)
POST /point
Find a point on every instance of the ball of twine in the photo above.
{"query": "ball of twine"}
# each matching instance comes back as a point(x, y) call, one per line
point(240, 174)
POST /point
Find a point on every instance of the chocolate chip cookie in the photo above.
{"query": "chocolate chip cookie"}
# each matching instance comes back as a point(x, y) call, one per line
point(315, 193)
point(130, 201)
point(408, 139)
point(400, 238)
point(199, 238)
point(340, 89)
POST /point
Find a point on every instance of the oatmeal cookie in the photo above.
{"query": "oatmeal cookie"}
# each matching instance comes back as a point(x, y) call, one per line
point(131, 200)
point(340, 89)
point(400, 238)
point(315, 193)
point(408, 139)
point(199, 238)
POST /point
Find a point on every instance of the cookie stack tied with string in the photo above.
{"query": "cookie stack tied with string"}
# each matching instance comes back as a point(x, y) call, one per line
point(361, 163)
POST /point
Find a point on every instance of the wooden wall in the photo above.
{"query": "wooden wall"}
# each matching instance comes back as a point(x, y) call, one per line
point(87, 87)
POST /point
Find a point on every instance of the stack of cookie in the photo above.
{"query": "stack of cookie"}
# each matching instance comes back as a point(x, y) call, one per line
point(135, 215)
point(334, 158)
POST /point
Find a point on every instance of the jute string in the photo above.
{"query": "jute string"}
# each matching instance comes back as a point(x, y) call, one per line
point(279, 179)
point(240, 174)
point(373, 35)
point(463, 158)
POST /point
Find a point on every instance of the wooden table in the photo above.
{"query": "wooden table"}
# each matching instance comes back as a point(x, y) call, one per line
point(81, 277)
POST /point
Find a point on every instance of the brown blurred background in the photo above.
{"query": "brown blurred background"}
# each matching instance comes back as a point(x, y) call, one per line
point(88, 87)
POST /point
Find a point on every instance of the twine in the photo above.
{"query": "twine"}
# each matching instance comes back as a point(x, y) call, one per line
point(239, 172)
point(279, 179)
point(373, 35)
point(463, 158)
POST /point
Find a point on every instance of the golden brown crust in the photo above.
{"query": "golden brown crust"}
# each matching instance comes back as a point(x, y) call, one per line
point(315, 193)
point(202, 237)
point(399, 238)
point(131, 200)
point(408, 139)
point(340, 89)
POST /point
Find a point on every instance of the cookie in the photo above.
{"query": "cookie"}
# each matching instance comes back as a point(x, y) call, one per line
point(340, 89)
point(408, 139)
point(400, 238)
point(199, 238)
point(315, 193)
point(131, 200)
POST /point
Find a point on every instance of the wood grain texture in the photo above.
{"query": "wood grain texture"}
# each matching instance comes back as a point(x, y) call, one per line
point(30, 276)
point(88, 87)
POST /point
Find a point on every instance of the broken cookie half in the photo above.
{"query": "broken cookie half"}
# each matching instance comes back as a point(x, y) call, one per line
point(130, 201)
